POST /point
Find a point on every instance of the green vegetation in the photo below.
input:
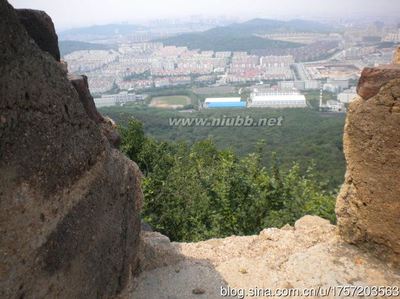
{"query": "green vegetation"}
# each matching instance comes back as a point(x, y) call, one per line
point(260, 26)
point(216, 41)
point(195, 192)
point(304, 136)
point(204, 182)
point(313, 97)
point(242, 37)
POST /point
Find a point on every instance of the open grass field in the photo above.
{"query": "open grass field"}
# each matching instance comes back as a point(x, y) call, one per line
point(172, 102)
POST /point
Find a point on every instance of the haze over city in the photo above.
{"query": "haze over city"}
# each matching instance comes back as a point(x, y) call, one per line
point(73, 13)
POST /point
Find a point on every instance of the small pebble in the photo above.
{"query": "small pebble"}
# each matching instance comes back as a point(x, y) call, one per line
point(198, 291)
point(243, 270)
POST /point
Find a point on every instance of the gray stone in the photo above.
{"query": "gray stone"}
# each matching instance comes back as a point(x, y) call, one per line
point(69, 202)
point(41, 29)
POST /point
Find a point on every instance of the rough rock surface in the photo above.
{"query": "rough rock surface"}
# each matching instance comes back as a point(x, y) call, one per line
point(108, 127)
point(372, 79)
point(41, 29)
point(308, 255)
point(69, 203)
point(368, 207)
point(80, 84)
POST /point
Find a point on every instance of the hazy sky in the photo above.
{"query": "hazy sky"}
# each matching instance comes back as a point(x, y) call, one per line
point(72, 13)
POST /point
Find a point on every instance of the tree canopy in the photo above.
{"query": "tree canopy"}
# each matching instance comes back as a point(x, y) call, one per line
point(196, 191)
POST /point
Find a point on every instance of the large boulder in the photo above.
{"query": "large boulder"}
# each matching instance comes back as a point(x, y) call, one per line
point(368, 207)
point(69, 202)
point(41, 29)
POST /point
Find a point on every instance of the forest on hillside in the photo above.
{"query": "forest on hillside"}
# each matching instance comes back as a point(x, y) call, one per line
point(205, 182)
point(245, 36)
point(196, 191)
point(305, 137)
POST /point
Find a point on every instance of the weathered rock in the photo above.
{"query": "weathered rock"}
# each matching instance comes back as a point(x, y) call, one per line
point(41, 29)
point(108, 127)
point(372, 79)
point(368, 207)
point(80, 84)
point(155, 251)
point(310, 255)
point(69, 203)
point(109, 130)
point(396, 57)
point(64, 66)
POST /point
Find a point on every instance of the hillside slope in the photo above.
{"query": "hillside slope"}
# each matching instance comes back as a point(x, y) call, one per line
point(69, 46)
point(241, 37)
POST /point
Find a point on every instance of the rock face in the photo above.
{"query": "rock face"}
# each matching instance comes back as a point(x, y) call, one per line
point(80, 83)
point(308, 255)
point(69, 202)
point(368, 207)
point(81, 86)
point(372, 79)
point(40, 28)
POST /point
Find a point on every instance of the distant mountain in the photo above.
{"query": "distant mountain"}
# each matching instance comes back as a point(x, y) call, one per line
point(225, 42)
point(99, 31)
point(386, 45)
point(67, 47)
point(260, 26)
point(241, 37)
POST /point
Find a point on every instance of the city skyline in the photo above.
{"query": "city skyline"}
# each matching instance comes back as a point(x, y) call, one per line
point(75, 13)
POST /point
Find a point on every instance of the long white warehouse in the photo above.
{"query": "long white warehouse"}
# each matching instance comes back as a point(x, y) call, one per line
point(277, 100)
